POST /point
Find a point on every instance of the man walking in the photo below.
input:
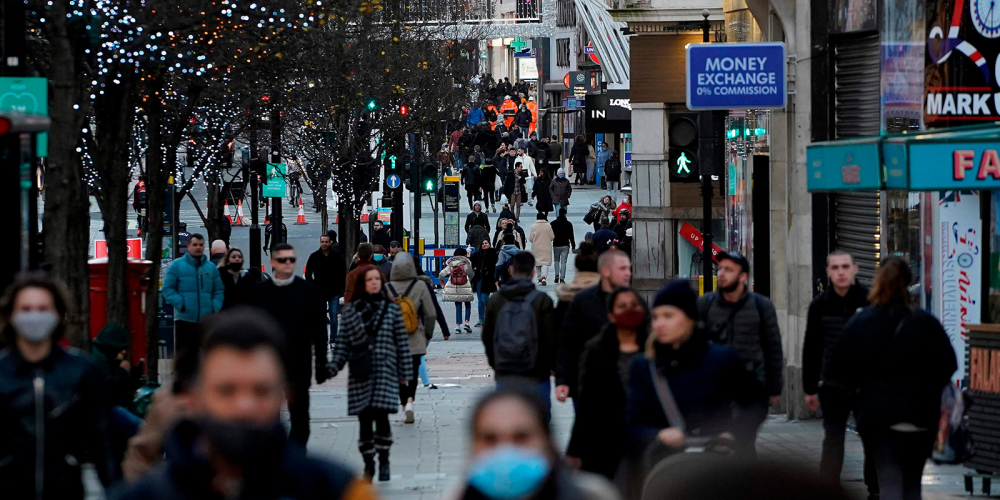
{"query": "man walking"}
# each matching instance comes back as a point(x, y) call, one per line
point(828, 313)
point(233, 444)
point(193, 286)
point(299, 308)
point(519, 330)
point(564, 241)
point(735, 316)
point(326, 269)
point(560, 189)
point(586, 316)
point(380, 235)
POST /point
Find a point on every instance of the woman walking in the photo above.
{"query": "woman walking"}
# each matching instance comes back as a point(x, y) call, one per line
point(602, 210)
point(237, 284)
point(541, 194)
point(372, 336)
point(599, 440)
point(484, 263)
point(541, 236)
point(897, 361)
point(578, 158)
point(459, 272)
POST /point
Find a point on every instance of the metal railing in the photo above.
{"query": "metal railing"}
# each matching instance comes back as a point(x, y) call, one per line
point(469, 11)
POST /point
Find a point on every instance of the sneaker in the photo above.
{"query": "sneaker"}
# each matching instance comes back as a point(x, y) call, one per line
point(479, 323)
point(430, 387)
point(468, 329)
point(408, 409)
point(494, 208)
point(458, 329)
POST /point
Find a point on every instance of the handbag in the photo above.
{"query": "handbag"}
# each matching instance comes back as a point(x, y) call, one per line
point(591, 215)
point(361, 356)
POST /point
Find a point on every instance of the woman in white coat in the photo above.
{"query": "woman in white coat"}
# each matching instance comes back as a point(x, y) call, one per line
point(459, 272)
point(541, 236)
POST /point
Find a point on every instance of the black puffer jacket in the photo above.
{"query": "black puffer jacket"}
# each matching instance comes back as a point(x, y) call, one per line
point(898, 362)
point(828, 313)
point(57, 403)
point(750, 326)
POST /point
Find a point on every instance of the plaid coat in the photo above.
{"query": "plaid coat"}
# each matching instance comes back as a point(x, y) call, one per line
point(391, 361)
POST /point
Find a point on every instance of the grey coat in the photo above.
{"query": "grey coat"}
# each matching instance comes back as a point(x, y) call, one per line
point(753, 333)
point(404, 272)
point(561, 190)
point(458, 293)
point(391, 361)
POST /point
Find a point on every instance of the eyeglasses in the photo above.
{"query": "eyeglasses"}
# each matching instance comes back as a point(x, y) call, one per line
point(285, 260)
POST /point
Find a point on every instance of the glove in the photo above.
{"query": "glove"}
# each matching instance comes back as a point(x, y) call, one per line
point(331, 370)
point(322, 373)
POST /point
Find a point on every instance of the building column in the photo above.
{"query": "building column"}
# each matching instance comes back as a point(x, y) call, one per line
point(653, 234)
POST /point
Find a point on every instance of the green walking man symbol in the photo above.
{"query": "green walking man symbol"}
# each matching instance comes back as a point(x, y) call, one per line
point(682, 164)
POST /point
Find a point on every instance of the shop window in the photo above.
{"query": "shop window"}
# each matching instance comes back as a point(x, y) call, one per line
point(565, 14)
point(902, 231)
point(994, 305)
point(562, 52)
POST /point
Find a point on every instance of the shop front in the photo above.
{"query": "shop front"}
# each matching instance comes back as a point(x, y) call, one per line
point(609, 120)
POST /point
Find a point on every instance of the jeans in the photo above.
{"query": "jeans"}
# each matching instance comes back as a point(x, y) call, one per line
point(899, 461)
point(542, 389)
point(458, 312)
point(559, 257)
point(481, 299)
point(458, 160)
point(524, 131)
point(334, 309)
point(555, 208)
point(424, 377)
point(836, 404)
point(613, 188)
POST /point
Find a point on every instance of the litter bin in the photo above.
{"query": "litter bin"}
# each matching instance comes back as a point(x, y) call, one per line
point(138, 281)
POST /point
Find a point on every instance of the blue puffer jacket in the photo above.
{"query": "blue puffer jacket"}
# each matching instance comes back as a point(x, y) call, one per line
point(193, 287)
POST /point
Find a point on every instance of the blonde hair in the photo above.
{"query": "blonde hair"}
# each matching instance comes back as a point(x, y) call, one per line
point(224, 261)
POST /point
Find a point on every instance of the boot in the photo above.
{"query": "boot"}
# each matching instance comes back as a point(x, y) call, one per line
point(369, 467)
point(383, 466)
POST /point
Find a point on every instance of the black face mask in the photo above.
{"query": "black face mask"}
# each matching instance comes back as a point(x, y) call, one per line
point(244, 444)
point(235, 266)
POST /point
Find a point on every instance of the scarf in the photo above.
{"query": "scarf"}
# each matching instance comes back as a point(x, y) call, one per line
point(281, 282)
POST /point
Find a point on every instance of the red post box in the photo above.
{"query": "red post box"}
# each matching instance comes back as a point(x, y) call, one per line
point(137, 284)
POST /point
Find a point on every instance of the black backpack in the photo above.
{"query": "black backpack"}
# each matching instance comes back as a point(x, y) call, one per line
point(515, 343)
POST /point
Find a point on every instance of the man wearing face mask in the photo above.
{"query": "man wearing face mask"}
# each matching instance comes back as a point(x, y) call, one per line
point(233, 444)
point(52, 408)
point(299, 308)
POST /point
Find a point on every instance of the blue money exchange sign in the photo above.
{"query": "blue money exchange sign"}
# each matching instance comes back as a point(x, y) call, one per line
point(736, 76)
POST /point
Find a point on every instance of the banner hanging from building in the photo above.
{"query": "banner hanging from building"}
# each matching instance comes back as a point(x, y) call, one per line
point(962, 63)
point(959, 267)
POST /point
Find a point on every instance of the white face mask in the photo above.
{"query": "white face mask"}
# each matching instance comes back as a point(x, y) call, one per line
point(35, 326)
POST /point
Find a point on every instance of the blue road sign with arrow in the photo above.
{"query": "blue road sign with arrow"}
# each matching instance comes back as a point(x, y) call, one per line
point(392, 181)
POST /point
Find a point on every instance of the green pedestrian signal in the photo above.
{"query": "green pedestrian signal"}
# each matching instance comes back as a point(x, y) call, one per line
point(682, 165)
point(430, 186)
point(429, 177)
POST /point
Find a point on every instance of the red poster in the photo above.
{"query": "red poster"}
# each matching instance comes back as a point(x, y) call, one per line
point(693, 235)
point(133, 246)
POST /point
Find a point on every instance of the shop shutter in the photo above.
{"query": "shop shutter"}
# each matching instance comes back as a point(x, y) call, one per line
point(857, 215)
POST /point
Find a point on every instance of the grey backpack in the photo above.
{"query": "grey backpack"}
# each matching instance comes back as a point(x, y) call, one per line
point(515, 343)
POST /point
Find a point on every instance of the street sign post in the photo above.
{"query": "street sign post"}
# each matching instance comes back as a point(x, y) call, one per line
point(276, 186)
point(452, 210)
point(728, 76)
point(393, 181)
point(29, 96)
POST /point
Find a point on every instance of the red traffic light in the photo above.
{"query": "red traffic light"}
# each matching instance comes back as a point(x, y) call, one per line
point(404, 109)
point(5, 125)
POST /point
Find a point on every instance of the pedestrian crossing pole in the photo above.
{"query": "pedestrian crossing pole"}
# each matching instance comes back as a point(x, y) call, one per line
point(706, 191)
point(255, 170)
point(277, 231)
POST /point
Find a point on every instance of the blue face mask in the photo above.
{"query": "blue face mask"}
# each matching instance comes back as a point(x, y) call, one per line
point(378, 257)
point(562, 176)
point(509, 472)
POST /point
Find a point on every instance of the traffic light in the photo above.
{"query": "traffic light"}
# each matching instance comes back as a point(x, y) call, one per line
point(371, 104)
point(404, 110)
point(683, 133)
point(429, 178)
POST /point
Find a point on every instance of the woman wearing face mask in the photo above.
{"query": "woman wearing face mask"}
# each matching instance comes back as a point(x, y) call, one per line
point(598, 442)
point(513, 456)
point(626, 204)
point(704, 380)
point(238, 285)
point(372, 336)
point(381, 260)
point(51, 400)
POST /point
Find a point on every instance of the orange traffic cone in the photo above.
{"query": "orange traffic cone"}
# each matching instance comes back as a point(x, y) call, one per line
point(229, 215)
point(241, 220)
point(301, 219)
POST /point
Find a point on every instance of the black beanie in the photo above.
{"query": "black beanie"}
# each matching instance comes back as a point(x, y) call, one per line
point(678, 293)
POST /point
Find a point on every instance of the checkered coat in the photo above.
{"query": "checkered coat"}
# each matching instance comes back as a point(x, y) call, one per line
point(391, 361)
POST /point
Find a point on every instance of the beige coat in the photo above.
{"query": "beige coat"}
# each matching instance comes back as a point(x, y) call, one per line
point(540, 235)
point(404, 272)
point(458, 293)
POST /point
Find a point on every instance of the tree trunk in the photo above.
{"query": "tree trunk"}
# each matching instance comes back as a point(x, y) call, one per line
point(156, 186)
point(66, 221)
point(349, 229)
point(115, 115)
point(213, 220)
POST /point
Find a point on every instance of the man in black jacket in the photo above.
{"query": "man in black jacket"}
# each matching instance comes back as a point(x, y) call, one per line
point(586, 316)
point(233, 444)
point(298, 307)
point(326, 269)
point(828, 313)
point(380, 235)
point(746, 321)
point(563, 243)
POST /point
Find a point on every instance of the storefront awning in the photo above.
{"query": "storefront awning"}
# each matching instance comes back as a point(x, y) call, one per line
point(956, 158)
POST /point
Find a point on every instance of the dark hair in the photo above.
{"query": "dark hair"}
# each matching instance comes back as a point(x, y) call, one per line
point(281, 247)
point(891, 285)
point(562, 211)
point(508, 239)
point(555, 138)
point(839, 253)
point(643, 331)
point(461, 252)
point(365, 251)
point(378, 249)
point(523, 263)
point(333, 235)
point(326, 236)
point(196, 236)
point(245, 329)
point(359, 282)
point(394, 244)
point(34, 279)
point(541, 215)
point(586, 257)
point(520, 391)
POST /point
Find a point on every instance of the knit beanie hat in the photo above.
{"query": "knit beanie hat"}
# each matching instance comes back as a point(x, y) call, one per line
point(678, 293)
